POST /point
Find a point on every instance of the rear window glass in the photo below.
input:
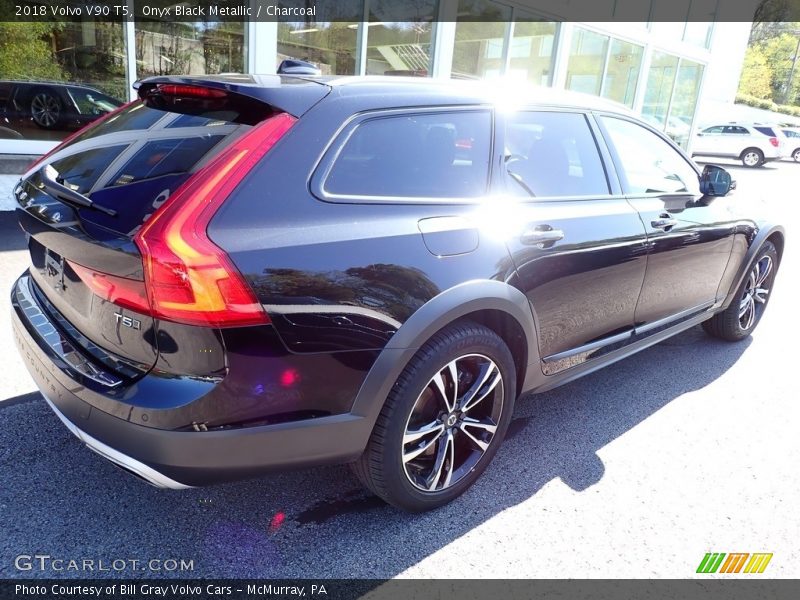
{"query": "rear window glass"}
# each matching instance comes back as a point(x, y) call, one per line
point(136, 159)
point(441, 155)
point(553, 154)
point(766, 131)
point(80, 171)
point(162, 157)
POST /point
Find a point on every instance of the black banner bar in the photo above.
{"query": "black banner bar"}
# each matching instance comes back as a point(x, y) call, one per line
point(318, 11)
point(712, 588)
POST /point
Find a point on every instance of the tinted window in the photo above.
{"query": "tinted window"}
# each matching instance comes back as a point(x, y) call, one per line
point(716, 129)
point(766, 131)
point(81, 170)
point(647, 162)
point(442, 155)
point(553, 154)
point(162, 157)
point(790, 133)
point(91, 102)
point(735, 130)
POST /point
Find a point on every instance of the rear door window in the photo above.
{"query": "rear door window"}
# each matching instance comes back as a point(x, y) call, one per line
point(553, 154)
point(421, 155)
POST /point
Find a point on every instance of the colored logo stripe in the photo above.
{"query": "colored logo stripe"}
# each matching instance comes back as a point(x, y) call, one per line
point(758, 563)
point(734, 562)
point(710, 562)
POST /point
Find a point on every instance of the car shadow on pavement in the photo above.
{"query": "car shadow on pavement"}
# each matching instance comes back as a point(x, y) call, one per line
point(60, 499)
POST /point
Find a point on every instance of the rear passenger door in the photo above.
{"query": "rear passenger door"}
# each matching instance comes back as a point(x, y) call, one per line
point(689, 236)
point(579, 246)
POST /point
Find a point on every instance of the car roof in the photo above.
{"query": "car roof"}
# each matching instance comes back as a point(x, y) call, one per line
point(498, 91)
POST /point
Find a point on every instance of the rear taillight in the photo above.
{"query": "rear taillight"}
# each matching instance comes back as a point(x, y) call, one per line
point(188, 278)
point(127, 293)
point(774, 141)
point(189, 91)
point(81, 131)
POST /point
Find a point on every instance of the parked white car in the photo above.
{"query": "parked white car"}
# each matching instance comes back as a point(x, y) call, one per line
point(792, 135)
point(753, 144)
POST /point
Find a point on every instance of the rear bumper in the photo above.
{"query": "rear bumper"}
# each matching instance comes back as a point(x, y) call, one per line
point(177, 459)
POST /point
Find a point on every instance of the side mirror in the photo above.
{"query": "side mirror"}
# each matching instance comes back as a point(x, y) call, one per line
point(715, 181)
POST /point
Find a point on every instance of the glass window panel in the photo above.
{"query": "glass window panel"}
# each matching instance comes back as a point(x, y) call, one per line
point(684, 101)
point(531, 52)
point(183, 48)
point(648, 162)
point(400, 47)
point(697, 33)
point(62, 76)
point(660, 80)
point(442, 155)
point(586, 58)
point(478, 49)
point(622, 72)
point(80, 171)
point(330, 46)
point(553, 154)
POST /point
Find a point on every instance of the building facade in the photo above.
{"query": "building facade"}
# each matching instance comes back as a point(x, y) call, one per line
point(662, 70)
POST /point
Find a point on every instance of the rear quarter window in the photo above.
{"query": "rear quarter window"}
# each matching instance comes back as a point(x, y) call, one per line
point(766, 131)
point(419, 155)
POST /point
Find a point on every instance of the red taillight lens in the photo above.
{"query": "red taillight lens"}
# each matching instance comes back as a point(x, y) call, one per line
point(188, 278)
point(127, 293)
point(190, 91)
point(80, 131)
point(774, 141)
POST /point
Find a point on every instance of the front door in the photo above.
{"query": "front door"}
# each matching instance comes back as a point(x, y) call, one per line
point(578, 246)
point(689, 236)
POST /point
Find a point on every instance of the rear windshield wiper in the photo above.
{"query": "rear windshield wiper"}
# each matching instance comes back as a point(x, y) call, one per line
point(67, 195)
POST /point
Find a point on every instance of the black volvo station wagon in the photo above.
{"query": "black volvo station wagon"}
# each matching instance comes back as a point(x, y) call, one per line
point(236, 274)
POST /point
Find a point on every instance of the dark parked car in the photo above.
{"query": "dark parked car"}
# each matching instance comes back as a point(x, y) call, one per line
point(53, 105)
point(237, 274)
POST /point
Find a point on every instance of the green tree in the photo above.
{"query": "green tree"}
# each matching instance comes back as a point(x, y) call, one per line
point(26, 51)
point(756, 79)
point(779, 52)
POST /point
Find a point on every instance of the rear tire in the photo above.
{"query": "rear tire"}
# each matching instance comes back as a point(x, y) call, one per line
point(437, 433)
point(752, 157)
point(743, 315)
point(796, 155)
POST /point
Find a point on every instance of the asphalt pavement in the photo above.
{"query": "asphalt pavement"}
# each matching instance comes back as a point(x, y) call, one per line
point(636, 471)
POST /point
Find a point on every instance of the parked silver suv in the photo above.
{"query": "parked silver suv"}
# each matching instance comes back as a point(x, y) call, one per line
point(753, 144)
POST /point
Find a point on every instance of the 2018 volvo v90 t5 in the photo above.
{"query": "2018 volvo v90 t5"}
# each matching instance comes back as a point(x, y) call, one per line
point(238, 273)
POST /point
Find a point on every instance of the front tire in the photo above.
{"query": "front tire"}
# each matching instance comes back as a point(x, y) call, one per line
point(752, 157)
point(443, 421)
point(796, 155)
point(743, 315)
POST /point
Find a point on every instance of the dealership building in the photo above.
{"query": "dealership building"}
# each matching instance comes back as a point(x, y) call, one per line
point(663, 70)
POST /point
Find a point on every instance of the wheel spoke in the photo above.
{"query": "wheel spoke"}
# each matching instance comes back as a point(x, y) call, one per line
point(760, 295)
point(479, 443)
point(471, 394)
point(411, 455)
point(444, 463)
point(415, 434)
point(485, 393)
point(485, 424)
point(762, 273)
point(438, 382)
point(744, 305)
point(453, 370)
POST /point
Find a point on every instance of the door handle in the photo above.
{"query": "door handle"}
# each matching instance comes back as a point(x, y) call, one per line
point(663, 223)
point(541, 234)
